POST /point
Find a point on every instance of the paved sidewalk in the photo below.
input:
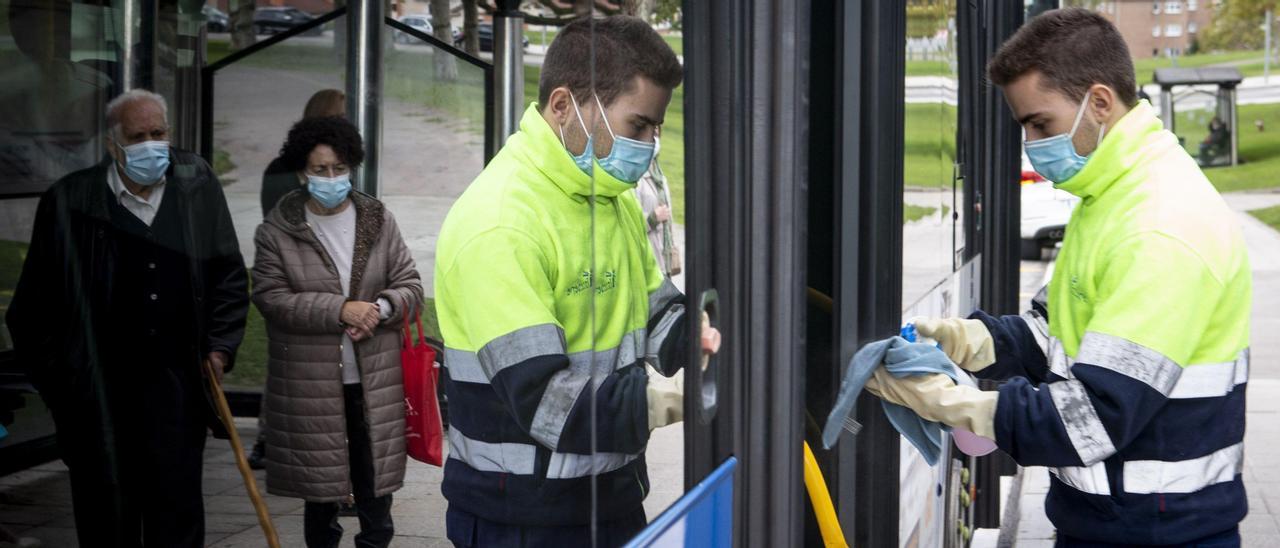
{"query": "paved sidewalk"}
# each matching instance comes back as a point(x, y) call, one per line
point(1261, 527)
point(37, 502)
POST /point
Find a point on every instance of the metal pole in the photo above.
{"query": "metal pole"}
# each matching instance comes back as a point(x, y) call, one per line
point(1166, 107)
point(364, 85)
point(1232, 126)
point(508, 64)
point(137, 49)
point(1266, 55)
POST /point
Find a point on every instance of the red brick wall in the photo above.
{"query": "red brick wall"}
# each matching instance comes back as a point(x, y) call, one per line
point(1135, 19)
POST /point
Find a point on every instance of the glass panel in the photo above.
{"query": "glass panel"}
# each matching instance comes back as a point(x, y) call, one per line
point(57, 72)
point(637, 236)
point(932, 241)
point(1203, 124)
point(929, 150)
point(255, 102)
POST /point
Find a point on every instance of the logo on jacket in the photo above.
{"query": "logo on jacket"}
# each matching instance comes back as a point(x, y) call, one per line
point(608, 282)
point(1077, 291)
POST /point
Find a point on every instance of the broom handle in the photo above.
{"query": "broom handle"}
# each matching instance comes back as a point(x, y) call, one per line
point(250, 484)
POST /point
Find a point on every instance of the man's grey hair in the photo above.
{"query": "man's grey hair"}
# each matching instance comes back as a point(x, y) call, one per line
point(116, 105)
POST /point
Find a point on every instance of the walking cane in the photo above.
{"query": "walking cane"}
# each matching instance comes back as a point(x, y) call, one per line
point(250, 484)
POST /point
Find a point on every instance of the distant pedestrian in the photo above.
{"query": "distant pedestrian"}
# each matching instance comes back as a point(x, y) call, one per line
point(655, 203)
point(334, 281)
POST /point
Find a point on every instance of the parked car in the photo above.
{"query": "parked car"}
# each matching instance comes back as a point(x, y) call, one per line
point(271, 20)
point(420, 23)
point(485, 32)
point(1045, 212)
point(214, 19)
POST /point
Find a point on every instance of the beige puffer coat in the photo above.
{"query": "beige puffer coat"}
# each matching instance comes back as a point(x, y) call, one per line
point(299, 293)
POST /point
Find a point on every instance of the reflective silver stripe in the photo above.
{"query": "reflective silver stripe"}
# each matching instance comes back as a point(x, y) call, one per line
point(1054, 353)
point(570, 465)
point(567, 385)
point(1130, 359)
point(553, 410)
point(1090, 479)
point(518, 458)
point(464, 366)
point(1059, 362)
point(520, 345)
point(1184, 476)
point(513, 458)
point(1084, 428)
point(663, 295)
point(1039, 328)
point(660, 334)
point(1211, 380)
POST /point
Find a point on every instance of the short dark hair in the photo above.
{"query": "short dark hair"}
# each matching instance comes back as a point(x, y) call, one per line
point(1073, 49)
point(337, 132)
point(625, 47)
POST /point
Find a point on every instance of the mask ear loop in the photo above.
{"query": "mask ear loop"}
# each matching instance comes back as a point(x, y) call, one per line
point(581, 123)
point(605, 117)
point(1080, 114)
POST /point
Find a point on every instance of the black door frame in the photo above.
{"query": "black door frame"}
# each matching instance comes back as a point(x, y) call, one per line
point(746, 66)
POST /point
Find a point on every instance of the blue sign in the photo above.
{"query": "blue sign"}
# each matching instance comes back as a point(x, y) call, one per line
point(703, 517)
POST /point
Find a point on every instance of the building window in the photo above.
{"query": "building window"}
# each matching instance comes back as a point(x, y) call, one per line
point(1155, 8)
point(1191, 27)
point(1155, 31)
point(1173, 7)
point(1173, 30)
point(1192, 5)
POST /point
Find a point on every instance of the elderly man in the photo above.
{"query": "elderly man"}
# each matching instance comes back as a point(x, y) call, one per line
point(133, 278)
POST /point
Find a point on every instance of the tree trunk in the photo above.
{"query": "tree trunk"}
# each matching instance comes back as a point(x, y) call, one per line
point(442, 28)
point(243, 34)
point(470, 26)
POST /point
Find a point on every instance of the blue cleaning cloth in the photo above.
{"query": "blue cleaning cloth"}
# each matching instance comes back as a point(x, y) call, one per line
point(900, 358)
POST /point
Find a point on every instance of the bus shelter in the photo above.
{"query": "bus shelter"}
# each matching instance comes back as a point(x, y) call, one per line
point(1199, 106)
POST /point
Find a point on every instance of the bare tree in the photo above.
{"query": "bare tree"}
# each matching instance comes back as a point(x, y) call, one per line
point(470, 25)
point(243, 33)
point(442, 28)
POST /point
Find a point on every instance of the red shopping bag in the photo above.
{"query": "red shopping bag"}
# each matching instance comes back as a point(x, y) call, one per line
point(424, 435)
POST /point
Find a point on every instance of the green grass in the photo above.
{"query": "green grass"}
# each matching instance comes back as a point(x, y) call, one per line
point(929, 145)
point(912, 212)
point(676, 43)
point(929, 68)
point(251, 360)
point(1259, 151)
point(1270, 216)
point(222, 165)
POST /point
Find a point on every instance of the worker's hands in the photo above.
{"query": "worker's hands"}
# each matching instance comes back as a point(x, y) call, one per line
point(937, 398)
point(710, 336)
point(967, 342)
point(218, 361)
point(359, 315)
point(666, 399)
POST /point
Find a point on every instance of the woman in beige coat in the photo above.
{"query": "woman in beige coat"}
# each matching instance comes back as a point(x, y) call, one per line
point(334, 280)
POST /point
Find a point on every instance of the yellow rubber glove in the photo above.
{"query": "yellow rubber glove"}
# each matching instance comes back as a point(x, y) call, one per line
point(937, 398)
point(666, 398)
point(967, 342)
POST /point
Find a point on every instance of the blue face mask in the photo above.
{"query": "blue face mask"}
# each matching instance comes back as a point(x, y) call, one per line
point(627, 161)
point(329, 191)
point(1055, 157)
point(146, 162)
point(582, 160)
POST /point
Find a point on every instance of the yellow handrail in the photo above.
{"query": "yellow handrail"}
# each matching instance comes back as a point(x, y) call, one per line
point(828, 524)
